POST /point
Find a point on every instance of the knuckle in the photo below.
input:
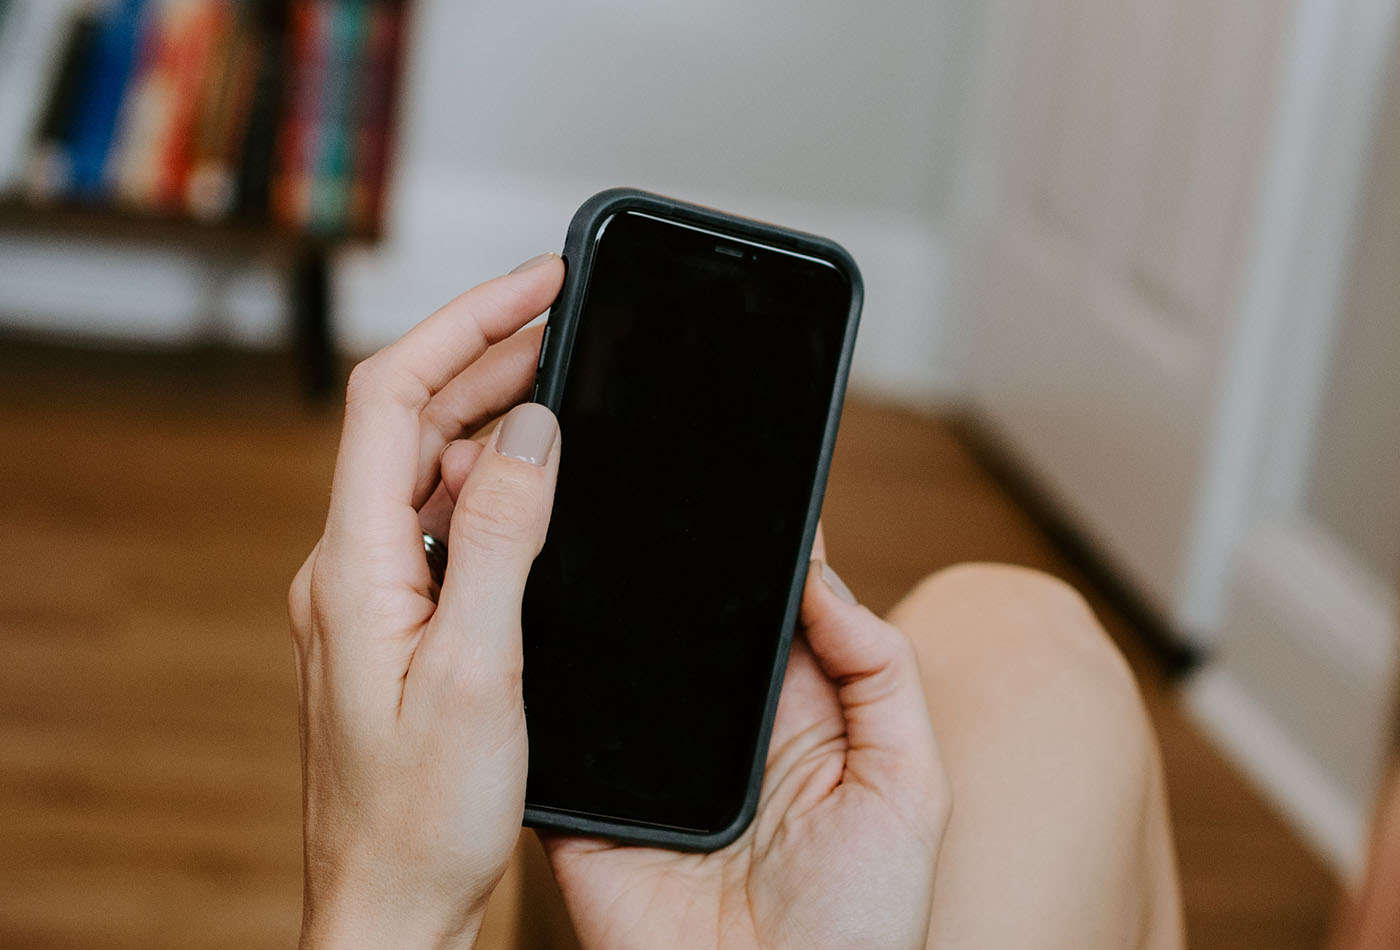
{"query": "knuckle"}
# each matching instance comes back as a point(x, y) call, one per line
point(377, 378)
point(363, 382)
point(501, 511)
point(299, 598)
point(439, 418)
point(484, 683)
point(319, 590)
point(887, 641)
point(902, 650)
point(299, 606)
point(492, 684)
point(885, 680)
point(323, 594)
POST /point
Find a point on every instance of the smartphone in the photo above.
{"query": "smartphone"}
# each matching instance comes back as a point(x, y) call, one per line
point(697, 363)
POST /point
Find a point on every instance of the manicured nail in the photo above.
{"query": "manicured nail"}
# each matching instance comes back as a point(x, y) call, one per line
point(527, 433)
point(834, 582)
point(535, 261)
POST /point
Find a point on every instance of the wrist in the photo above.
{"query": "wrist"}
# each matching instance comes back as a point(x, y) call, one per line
point(409, 921)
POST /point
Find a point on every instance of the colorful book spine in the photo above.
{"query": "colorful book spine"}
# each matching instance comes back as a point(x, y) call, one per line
point(221, 120)
point(147, 109)
point(271, 45)
point(109, 68)
point(274, 109)
point(194, 45)
point(381, 68)
point(50, 171)
point(32, 41)
point(335, 125)
point(296, 140)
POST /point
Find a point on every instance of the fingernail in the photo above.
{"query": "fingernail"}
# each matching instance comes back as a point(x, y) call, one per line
point(834, 582)
point(535, 261)
point(527, 433)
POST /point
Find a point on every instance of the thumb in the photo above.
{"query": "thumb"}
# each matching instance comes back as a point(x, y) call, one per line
point(872, 665)
point(498, 527)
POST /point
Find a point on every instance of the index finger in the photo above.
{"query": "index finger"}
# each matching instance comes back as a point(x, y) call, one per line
point(376, 468)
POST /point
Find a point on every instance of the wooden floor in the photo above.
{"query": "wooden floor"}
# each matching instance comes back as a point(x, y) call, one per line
point(152, 511)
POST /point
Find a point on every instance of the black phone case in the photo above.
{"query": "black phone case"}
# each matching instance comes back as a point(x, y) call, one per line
point(553, 368)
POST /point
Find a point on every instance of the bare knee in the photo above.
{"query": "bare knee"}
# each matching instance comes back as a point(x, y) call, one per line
point(1017, 667)
point(1049, 751)
point(1014, 617)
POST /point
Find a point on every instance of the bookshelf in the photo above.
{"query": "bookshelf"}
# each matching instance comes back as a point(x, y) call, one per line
point(227, 128)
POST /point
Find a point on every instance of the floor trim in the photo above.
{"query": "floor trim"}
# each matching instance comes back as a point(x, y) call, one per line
point(1304, 795)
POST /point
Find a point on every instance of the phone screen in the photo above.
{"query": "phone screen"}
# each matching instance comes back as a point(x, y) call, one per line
point(692, 418)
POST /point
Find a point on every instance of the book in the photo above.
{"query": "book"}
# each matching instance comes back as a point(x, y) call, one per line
point(222, 117)
point(372, 132)
point(50, 171)
point(107, 70)
point(148, 111)
point(272, 109)
point(271, 51)
point(335, 124)
point(142, 113)
point(194, 45)
point(291, 186)
point(33, 38)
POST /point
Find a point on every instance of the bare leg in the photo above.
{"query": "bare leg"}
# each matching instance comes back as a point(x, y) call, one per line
point(1059, 835)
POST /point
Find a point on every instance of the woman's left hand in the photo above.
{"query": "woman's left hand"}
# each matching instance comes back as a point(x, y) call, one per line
point(850, 819)
point(413, 729)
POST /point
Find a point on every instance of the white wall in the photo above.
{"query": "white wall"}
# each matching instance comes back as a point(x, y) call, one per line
point(1161, 201)
point(834, 117)
point(799, 100)
point(1355, 478)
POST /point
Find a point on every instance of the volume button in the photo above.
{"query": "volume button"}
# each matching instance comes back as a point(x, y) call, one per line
point(544, 348)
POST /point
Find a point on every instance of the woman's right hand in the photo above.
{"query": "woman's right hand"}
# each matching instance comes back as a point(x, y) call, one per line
point(412, 724)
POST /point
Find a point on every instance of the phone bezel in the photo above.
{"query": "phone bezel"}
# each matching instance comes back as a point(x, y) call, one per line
point(580, 243)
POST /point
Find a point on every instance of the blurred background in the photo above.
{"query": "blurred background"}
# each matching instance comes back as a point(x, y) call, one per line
point(1132, 307)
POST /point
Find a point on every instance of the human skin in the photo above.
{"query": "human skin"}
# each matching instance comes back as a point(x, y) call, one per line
point(853, 807)
point(412, 725)
point(1061, 835)
point(413, 735)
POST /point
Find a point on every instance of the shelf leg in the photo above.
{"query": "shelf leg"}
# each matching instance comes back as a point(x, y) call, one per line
point(311, 304)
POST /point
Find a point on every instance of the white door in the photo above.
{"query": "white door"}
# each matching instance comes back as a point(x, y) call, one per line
point(1136, 193)
point(1160, 203)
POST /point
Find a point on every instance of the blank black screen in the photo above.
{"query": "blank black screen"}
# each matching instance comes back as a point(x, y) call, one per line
point(692, 418)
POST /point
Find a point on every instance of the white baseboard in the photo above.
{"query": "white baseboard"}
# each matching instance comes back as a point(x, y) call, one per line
point(104, 291)
point(1330, 821)
point(1300, 693)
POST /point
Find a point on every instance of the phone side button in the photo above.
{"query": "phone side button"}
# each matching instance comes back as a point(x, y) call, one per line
point(544, 349)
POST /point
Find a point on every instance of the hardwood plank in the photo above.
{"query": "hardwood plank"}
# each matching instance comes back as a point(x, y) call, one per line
point(153, 509)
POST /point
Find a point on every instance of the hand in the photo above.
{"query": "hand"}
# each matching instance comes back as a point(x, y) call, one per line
point(412, 725)
point(850, 819)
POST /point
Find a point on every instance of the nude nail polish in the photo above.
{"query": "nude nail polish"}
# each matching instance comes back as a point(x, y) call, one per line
point(834, 583)
point(527, 433)
point(535, 261)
